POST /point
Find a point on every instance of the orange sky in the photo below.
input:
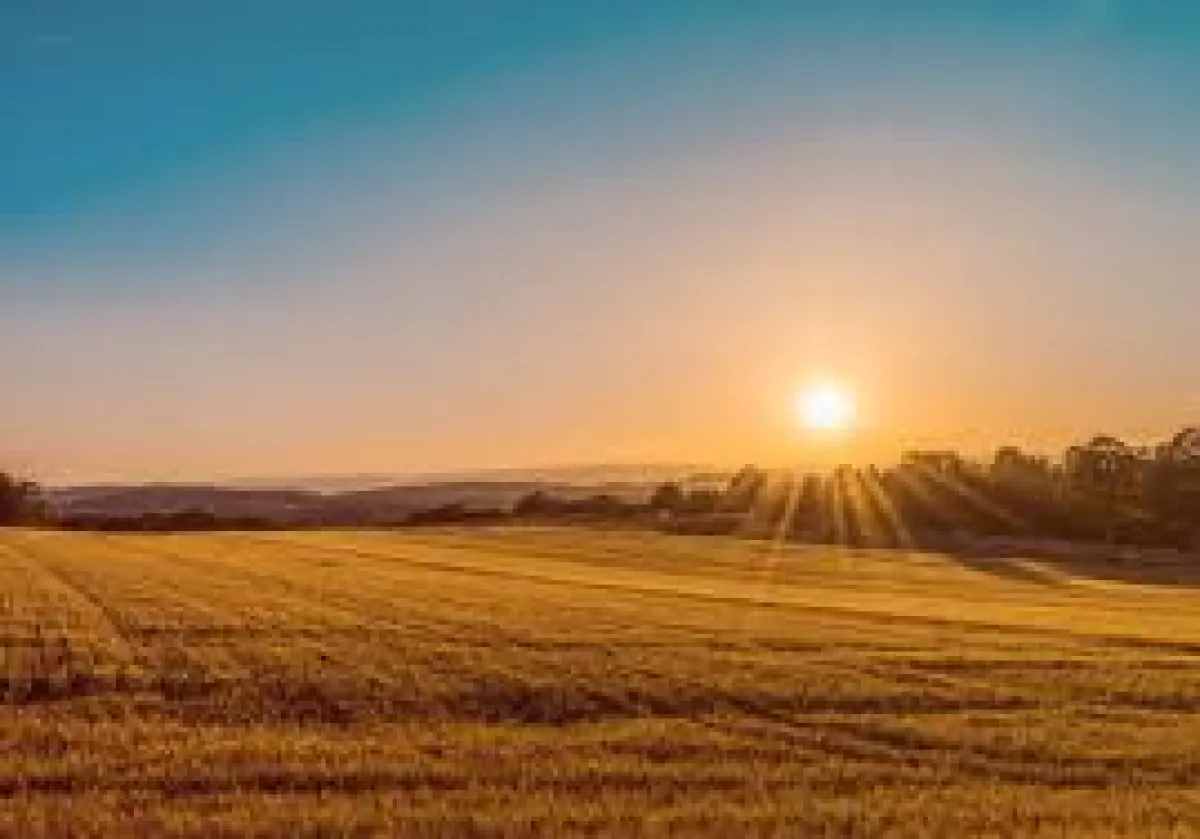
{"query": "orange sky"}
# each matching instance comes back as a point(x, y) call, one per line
point(633, 248)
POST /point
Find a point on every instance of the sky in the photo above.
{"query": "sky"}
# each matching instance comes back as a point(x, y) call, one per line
point(280, 237)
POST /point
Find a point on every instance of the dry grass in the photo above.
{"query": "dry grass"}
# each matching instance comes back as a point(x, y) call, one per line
point(542, 682)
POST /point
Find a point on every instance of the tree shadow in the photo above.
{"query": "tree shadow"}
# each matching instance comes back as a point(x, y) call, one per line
point(1049, 562)
point(1020, 569)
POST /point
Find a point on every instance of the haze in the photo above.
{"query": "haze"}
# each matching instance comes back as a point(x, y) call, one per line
point(310, 236)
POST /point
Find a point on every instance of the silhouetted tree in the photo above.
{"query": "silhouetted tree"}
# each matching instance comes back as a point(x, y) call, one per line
point(744, 489)
point(20, 500)
point(702, 500)
point(1109, 469)
point(455, 513)
point(667, 497)
point(1104, 465)
point(537, 503)
point(1172, 486)
point(1012, 465)
point(604, 505)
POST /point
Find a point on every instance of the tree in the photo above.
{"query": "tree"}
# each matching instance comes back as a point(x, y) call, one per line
point(1173, 483)
point(1184, 448)
point(1105, 466)
point(1015, 466)
point(668, 497)
point(537, 503)
point(744, 489)
point(603, 504)
point(20, 500)
point(1108, 468)
point(702, 500)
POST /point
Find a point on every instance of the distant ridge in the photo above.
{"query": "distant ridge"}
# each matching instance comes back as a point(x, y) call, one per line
point(572, 474)
point(366, 498)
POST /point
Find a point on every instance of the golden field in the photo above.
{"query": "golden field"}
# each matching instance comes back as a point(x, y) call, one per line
point(515, 682)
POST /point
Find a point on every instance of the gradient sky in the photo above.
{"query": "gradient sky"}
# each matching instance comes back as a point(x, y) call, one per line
point(261, 237)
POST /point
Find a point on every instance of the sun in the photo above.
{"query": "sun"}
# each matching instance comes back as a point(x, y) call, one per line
point(825, 406)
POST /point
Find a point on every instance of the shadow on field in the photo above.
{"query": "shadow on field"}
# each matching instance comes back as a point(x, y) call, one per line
point(1060, 563)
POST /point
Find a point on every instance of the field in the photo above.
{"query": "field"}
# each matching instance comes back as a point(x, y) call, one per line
point(558, 682)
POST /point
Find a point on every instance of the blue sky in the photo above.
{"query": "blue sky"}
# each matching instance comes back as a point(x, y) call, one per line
point(270, 237)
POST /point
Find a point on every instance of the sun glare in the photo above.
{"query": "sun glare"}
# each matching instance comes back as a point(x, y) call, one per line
point(826, 406)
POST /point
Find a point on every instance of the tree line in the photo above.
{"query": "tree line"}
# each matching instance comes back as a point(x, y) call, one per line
point(1102, 490)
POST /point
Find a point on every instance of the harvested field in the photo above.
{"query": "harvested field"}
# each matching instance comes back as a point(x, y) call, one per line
point(515, 682)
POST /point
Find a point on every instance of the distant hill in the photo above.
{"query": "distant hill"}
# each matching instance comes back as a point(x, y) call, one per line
point(140, 499)
point(378, 504)
point(576, 475)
